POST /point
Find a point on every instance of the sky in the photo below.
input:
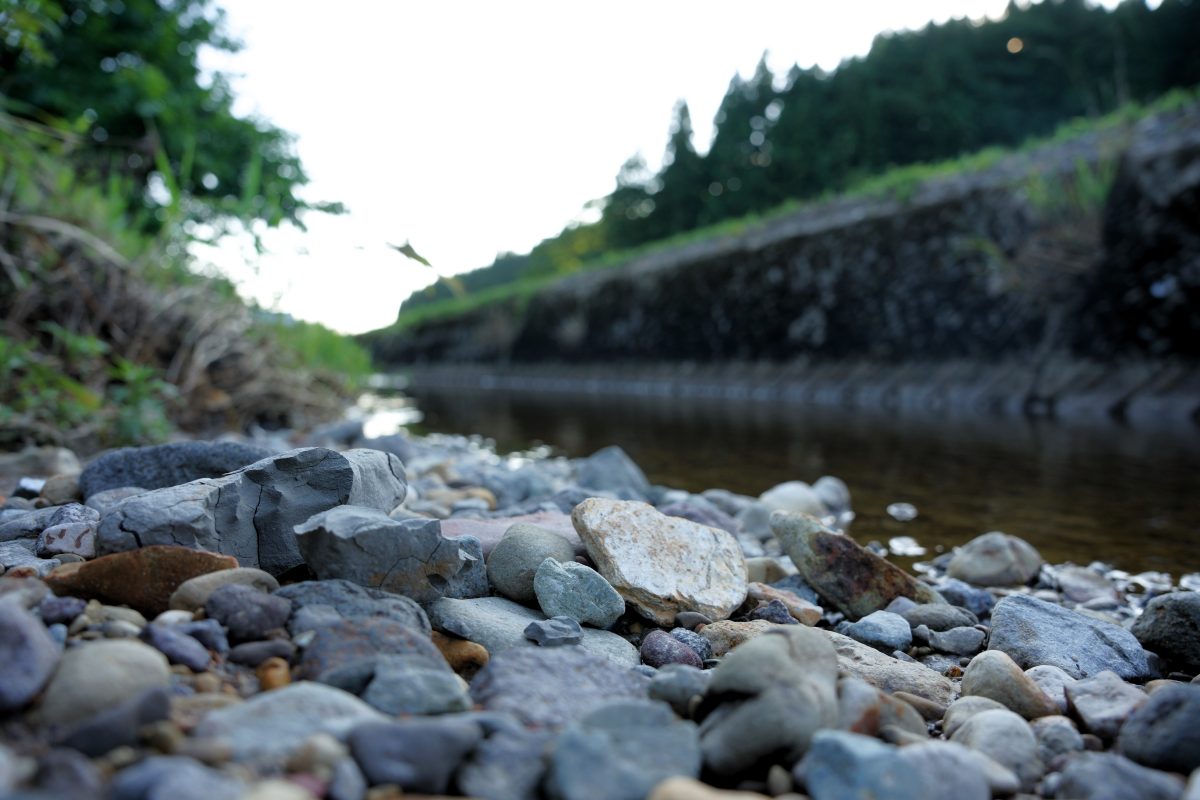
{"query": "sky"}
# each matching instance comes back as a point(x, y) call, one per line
point(472, 128)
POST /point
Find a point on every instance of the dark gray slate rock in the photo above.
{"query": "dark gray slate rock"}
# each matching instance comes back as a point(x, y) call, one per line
point(698, 643)
point(103, 501)
point(207, 632)
point(514, 562)
point(660, 648)
point(177, 777)
point(678, 684)
point(699, 510)
point(506, 767)
point(247, 613)
point(611, 469)
point(1102, 703)
point(20, 553)
point(1170, 626)
point(938, 616)
point(499, 624)
point(1108, 776)
point(29, 655)
point(957, 641)
point(355, 639)
point(341, 599)
point(251, 654)
point(960, 593)
point(775, 611)
point(622, 751)
point(554, 632)
point(401, 684)
point(1163, 733)
point(251, 514)
point(419, 755)
point(568, 588)
point(407, 557)
point(54, 610)
point(27, 525)
point(840, 764)
point(160, 466)
point(548, 688)
point(1034, 632)
point(882, 630)
point(178, 647)
point(120, 726)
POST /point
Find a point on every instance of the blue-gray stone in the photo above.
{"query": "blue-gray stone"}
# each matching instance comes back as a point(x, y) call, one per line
point(1170, 626)
point(938, 616)
point(702, 646)
point(402, 684)
point(252, 654)
point(163, 465)
point(554, 632)
point(418, 755)
point(1034, 632)
point(841, 765)
point(26, 525)
point(611, 469)
point(774, 611)
point(957, 641)
point(355, 639)
point(568, 588)
point(799, 587)
point(348, 782)
point(882, 630)
point(119, 726)
point(29, 655)
point(247, 613)
point(207, 632)
point(678, 684)
point(178, 647)
point(513, 564)
point(64, 610)
point(73, 513)
point(64, 773)
point(506, 767)
point(621, 751)
point(20, 553)
point(1163, 733)
point(407, 557)
point(1108, 776)
point(960, 593)
point(948, 771)
point(338, 599)
point(177, 777)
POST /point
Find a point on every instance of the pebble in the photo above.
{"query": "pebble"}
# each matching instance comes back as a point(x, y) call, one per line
point(621, 751)
point(691, 620)
point(698, 643)
point(958, 641)
point(679, 685)
point(119, 726)
point(1101, 703)
point(801, 610)
point(938, 616)
point(680, 788)
point(963, 595)
point(1108, 775)
point(849, 576)
point(506, 767)
point(1056, 736)
point(611, 469)
point(1033, 632)
point(773, 611)
point(28, 653)
point(193, 593)
point(963, 709)
point(273, 673)
point(948, 771)
point(765, 570)
point(864, 709)
point(994, 675)
point(1053, 682)
point(74, 538)
point(887, 673)
point(339, 599)
point(1005, 738)
point(660, 648)
point(251, 654)
point(357, 639)
point(178, 647)
point(1162, 732)
point(464, 657)
point(841, 764)
point(418, 755)
point(554, 632)
point(1170, 626)
point(403, 685)
point(247, 613)
point(567, 588)
point(995, 559)
point(165, 465)
point(882, 630)
point(727, 634)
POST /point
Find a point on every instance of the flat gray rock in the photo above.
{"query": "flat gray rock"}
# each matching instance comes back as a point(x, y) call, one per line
point(1103, 702)
point(571, 589)
point(163, 465)
point(549, 688)
point(842, 764)
point(882, 630)
point(337, 599)
point(995, 559)
point(499, 624)
point(405, 557)
point(251, 513)
point(1033, 632)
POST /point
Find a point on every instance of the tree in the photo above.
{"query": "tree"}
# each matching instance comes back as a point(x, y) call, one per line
point(126, 74)
point(682, 183)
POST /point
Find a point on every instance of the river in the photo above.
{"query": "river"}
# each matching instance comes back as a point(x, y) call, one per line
point(1078, 493)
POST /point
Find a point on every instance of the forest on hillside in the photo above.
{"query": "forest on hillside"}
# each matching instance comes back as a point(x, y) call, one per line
point(918, 96)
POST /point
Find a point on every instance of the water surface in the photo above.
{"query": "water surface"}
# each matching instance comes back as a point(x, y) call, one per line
point(1077, 493)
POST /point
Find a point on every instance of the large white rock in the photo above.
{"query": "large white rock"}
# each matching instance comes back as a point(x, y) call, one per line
point(660, 564)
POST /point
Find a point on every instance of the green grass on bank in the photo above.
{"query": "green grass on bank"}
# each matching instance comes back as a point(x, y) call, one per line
point(1084, 192)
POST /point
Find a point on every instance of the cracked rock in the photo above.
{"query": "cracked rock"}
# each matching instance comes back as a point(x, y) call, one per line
point(408, 557)
point(250, 514)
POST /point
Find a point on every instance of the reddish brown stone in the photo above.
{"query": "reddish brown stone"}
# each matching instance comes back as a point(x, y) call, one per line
point(142, 579)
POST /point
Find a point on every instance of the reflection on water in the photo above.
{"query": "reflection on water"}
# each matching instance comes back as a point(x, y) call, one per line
point(1078, 494)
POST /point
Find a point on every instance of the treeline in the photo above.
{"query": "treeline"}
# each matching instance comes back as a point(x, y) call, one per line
point(917, 96)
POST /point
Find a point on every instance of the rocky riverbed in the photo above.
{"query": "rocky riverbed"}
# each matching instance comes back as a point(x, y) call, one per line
point(404, 616)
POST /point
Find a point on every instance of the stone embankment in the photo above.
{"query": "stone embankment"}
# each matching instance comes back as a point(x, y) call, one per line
point(1017, 285)
point(395, 616)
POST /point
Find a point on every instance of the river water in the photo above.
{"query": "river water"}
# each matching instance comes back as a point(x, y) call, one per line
point(1078, 493)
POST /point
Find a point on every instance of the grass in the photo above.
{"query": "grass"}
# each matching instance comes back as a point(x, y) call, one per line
point(899, 183)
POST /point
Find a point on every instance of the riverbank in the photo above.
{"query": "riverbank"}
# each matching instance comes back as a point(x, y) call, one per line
point(545, 627)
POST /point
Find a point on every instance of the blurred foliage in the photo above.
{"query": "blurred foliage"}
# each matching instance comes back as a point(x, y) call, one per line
point(909, 110)
point(125, 75)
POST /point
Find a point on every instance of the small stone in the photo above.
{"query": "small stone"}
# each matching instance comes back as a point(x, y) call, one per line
point(963, 709)
point(464, 657)
point(793, 497)
point(193, 593)
point(165, 465)
point(679, 685)
point(852, 578)
point(963, 595)
point(64, 610)
point(207, 632)
point(74, 538)
point(29, 655)
point(680, 788)
point(1034, 632)
point(621, 751)
point(62, 489)
point(1162, 733)
point(251, 654)
point(508, 767)
point(801, 610)
point(356, 639)
point(1005, 738)
point(98, 676)
point(273, 673)
point(176, 777)
point(938, 616)
point(178, 647)
point(842, 764)
point(995, 559)
point(957, 641)
point(882, 630)
point(513, 564)
point(1108, 775)
point(765, 570)
point(403, 685)
point(119, 726)
point(247, 613)
point(948, 771)
point(887, 673)
point(773, 611)
point(695, 641)
point(1053, 682)
point(334, 600)
point(570, 589)
point(864, 709)
point(1083, 585)
point(1101, 703)
point(727, 634)
point(691, 620)
point(1056, 736)
point(994, 675)
point(143, 579)
point(660, 648)
point(554, 632)
point(1170, 626)
point(419, 755)
point(610, 469)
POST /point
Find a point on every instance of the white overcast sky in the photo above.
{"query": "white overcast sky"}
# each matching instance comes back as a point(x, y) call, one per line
point(471, 128)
